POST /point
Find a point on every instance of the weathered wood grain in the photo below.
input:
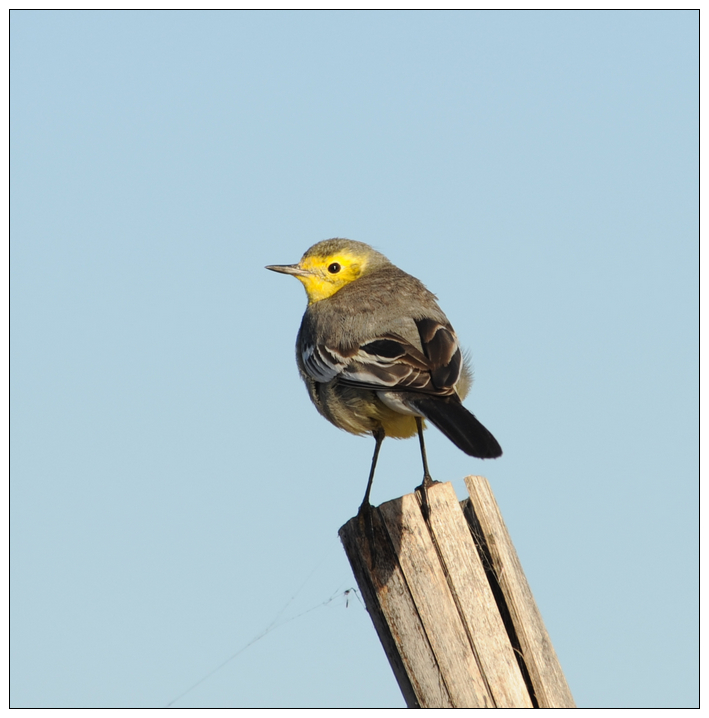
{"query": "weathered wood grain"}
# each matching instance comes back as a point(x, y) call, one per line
point(395, 616)
point(547, 678)
point(475, 601)
point(436, 608)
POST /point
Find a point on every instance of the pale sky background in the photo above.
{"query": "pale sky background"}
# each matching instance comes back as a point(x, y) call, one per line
point(174, 494)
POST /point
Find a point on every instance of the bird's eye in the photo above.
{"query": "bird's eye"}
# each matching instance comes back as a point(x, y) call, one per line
point(334, 268)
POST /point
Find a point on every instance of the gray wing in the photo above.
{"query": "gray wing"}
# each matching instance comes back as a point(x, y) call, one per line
point(390, 362)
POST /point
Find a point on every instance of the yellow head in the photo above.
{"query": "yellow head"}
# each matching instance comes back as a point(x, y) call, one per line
point(329, 265)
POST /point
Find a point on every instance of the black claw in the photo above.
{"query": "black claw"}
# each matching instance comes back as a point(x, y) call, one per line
point(365, 516)
point(422, 491)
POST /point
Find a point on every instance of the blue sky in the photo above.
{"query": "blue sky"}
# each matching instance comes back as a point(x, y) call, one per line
point(173, 492)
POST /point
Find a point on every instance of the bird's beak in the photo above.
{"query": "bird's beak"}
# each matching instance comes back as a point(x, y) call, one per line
point(293, 269)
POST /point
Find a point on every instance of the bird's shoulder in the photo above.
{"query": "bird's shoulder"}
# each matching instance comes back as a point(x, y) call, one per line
point(387, 301)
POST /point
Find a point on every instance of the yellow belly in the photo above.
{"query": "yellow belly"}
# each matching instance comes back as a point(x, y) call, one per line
point(360, 411)
point(398, 426)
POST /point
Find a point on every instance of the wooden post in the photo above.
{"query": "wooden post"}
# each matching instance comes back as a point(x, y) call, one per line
point(451, 605)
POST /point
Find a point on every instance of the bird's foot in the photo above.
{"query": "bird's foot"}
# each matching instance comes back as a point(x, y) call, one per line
point(365, 516)
point(422, 491)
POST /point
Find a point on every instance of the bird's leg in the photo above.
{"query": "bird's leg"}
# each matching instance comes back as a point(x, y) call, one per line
point(365, 510)
point(378, 435)
point(427, 480)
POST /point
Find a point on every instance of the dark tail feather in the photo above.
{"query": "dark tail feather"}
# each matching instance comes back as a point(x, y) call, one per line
point(458, 424)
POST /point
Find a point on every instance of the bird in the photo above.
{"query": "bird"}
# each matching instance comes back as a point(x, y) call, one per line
point(378, 355)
